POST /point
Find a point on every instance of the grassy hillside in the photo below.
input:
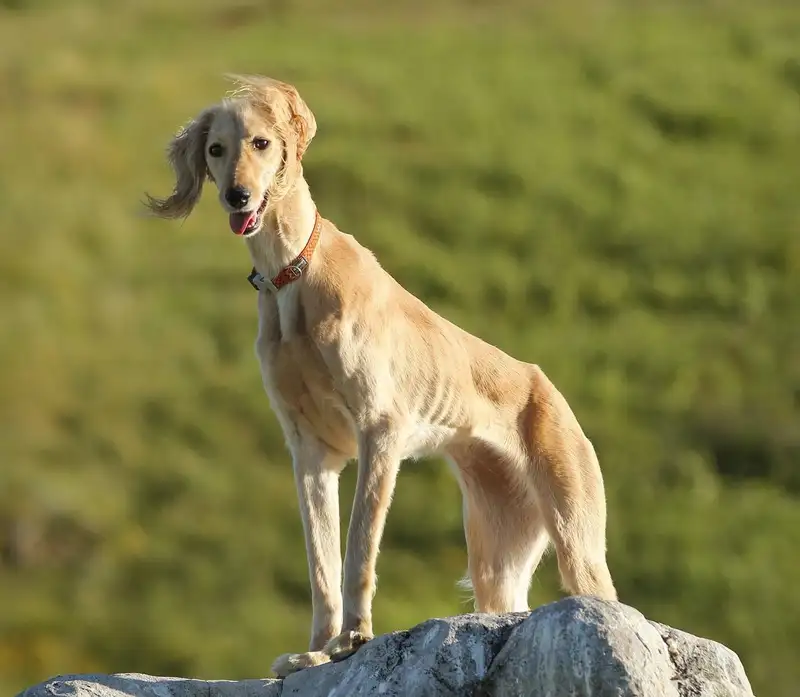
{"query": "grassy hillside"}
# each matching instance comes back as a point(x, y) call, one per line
point(607, 189)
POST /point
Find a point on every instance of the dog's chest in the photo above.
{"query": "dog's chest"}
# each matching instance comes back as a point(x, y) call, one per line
point(299, 384)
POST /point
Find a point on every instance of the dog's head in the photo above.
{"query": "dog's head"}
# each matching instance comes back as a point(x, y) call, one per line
point(250, 145)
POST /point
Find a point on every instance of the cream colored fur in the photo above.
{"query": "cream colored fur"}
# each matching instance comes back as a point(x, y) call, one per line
point(357, 367)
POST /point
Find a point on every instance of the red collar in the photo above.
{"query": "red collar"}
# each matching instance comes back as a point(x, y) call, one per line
point(294, 270)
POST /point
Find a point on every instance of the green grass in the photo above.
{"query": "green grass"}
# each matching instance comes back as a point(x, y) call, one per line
point(609, 190)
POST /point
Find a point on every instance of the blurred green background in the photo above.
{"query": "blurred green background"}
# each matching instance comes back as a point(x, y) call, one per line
point(608, 189)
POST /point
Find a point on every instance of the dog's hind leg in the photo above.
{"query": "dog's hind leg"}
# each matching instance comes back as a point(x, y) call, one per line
point(568, 485)
point(505, 533)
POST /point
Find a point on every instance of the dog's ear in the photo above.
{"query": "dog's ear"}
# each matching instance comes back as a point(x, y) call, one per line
point(186, 155)
point(298, 126)
point(301, 119)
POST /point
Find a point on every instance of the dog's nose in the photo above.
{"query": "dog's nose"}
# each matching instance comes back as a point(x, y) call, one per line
point(237, 196)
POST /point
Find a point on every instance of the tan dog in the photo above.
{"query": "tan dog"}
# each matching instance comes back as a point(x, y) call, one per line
point(355, 366)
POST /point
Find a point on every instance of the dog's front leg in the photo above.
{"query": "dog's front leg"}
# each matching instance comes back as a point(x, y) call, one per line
point(316, 474)
point(378, 464)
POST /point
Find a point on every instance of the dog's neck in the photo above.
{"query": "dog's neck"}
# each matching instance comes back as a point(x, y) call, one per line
point(286, 229)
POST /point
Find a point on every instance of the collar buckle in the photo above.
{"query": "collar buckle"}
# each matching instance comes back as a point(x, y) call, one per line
point(295, 270)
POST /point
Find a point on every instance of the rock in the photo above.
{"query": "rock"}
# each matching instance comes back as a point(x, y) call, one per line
point(576, 647)
point(134, 685)
point(437, 657)
point(703, 668)
point(592, 648)
point(599, 649)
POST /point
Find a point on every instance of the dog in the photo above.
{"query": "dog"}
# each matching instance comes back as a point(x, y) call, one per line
point(356, 367)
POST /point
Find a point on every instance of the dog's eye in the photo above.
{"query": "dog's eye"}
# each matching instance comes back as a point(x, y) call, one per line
point(215, 150)
point(260, 143)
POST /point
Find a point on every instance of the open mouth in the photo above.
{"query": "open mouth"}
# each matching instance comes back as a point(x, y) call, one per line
point(246, 223)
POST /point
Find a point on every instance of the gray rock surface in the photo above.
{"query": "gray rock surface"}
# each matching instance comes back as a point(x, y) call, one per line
point(576, 647)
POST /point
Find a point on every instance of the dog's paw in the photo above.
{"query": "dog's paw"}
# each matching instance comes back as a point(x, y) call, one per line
point(346, 644)
point(293, 662)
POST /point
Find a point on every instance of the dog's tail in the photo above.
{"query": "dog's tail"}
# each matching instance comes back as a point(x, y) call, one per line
point(464, 584)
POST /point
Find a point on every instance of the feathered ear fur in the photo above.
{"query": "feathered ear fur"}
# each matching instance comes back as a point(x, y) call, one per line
point(186, 155)
point(302, 120)
point(294, 121)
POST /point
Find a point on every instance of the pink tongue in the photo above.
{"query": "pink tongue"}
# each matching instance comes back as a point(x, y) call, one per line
point(240, 221)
